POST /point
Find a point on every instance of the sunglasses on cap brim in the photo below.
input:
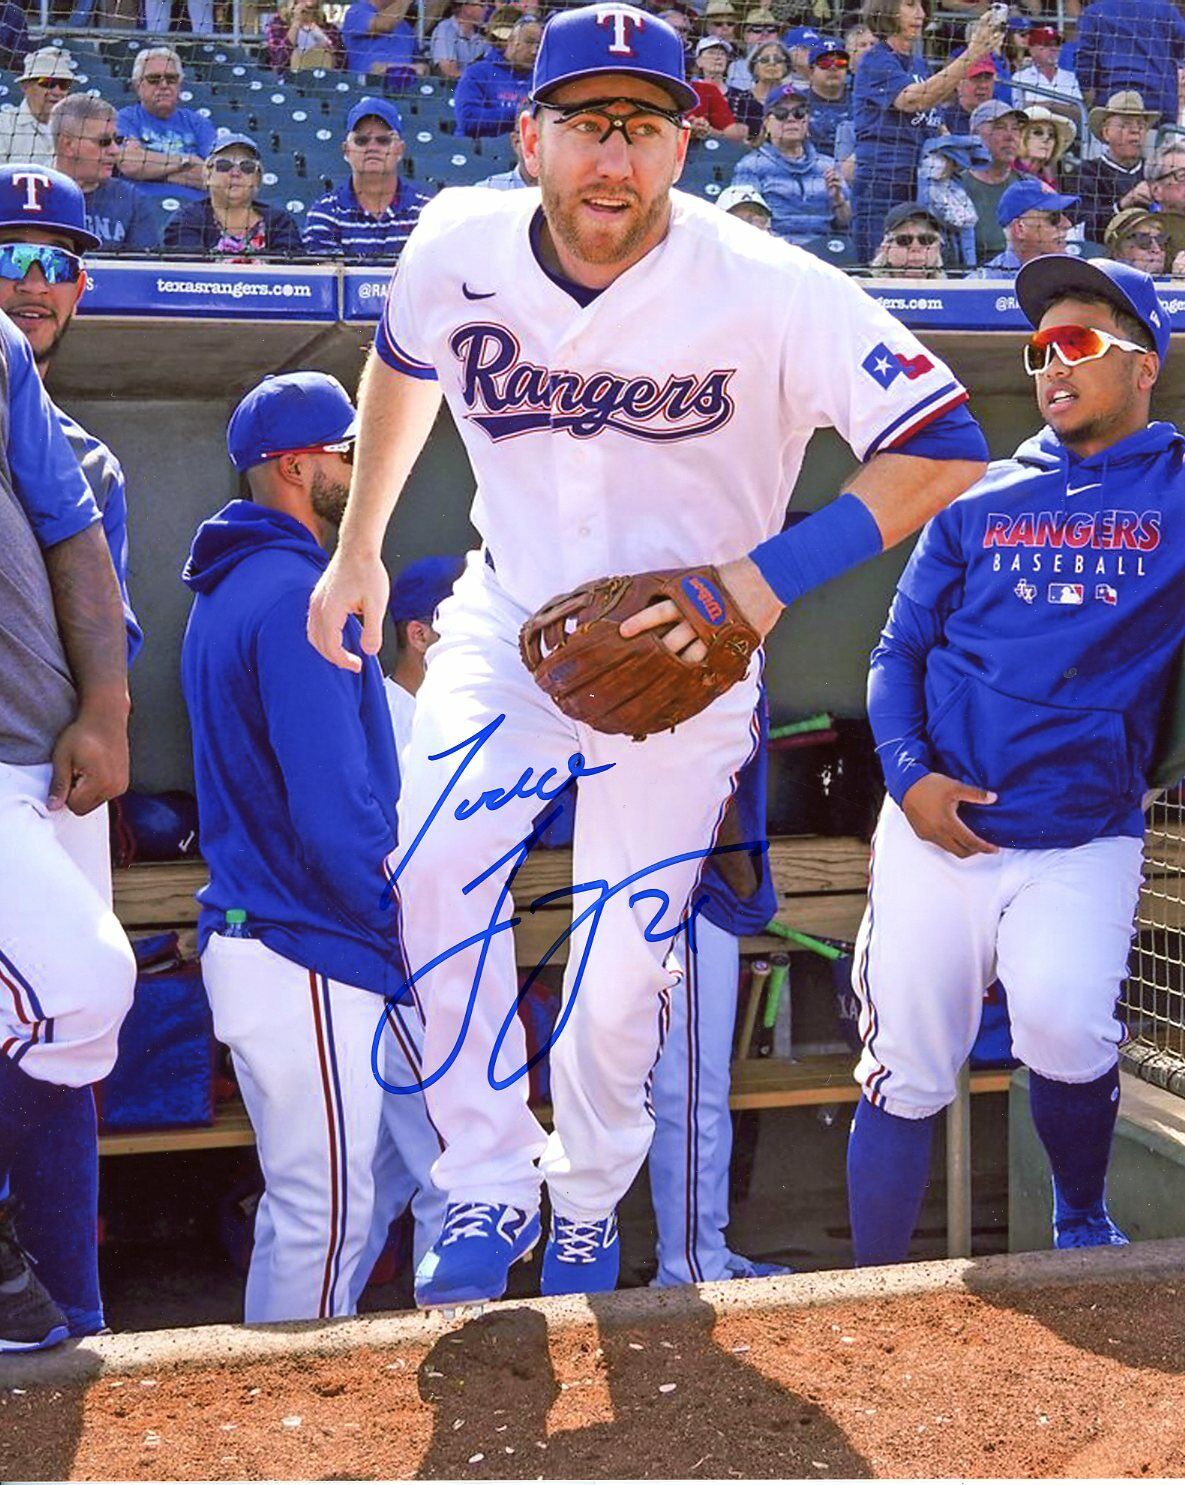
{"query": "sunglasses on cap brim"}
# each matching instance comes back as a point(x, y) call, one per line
point(57, 264)
point(344, 447)
point(1074, 345)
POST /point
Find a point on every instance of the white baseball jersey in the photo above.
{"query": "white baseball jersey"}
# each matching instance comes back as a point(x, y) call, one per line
point(664, 423)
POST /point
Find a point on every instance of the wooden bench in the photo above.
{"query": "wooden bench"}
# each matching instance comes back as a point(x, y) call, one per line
point(821, 884)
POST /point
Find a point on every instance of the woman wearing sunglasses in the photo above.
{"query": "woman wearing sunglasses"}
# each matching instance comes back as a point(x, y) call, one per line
point(1044, 139)
point(911, 246)
point(231, 223)
point(804, 188)
point(769, 65)
point(1016, 697)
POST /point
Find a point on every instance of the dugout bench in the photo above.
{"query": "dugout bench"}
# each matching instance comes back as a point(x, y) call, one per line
point(821, 884)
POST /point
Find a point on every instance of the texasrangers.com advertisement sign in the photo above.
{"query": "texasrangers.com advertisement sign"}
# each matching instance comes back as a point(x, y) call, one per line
point(212, 291)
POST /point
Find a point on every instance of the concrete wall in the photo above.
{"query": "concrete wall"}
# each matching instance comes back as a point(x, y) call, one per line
point(170, 386)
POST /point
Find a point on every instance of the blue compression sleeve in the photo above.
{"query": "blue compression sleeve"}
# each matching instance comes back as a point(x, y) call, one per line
point(841, 535)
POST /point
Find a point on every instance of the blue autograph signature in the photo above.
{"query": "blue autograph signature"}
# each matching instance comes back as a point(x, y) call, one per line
point(528, 786)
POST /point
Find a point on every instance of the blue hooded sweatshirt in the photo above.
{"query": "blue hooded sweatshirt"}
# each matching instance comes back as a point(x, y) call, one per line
point(1032, 637)
point(294, 759)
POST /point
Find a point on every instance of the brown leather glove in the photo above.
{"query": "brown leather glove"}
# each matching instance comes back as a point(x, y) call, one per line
point(575, 651)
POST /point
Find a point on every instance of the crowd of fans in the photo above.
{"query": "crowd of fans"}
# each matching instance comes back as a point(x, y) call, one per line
point(891, 142)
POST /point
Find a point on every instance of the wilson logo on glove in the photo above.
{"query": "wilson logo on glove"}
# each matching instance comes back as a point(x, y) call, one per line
point(705, 598)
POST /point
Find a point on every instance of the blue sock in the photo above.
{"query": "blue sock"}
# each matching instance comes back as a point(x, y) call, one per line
point(888, 1166)
point(1075, 1122)
point(49, 1144)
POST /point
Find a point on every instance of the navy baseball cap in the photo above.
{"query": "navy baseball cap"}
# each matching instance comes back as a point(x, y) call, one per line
point(298, 410)
point(595, 39)
point(801, 36)
point(827, 46)
point(38, 196)
point(422, 587)
point(379, 108)
point(783, 93)
point(1029, 195)
point(1128, 289)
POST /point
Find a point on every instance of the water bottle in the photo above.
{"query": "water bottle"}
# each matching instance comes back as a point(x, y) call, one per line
point(236, 924)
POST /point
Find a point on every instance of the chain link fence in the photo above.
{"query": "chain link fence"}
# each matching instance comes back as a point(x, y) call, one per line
point(1153, 1001)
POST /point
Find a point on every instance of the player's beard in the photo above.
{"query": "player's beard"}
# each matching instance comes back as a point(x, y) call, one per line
point(615, 242)
point(328, 499)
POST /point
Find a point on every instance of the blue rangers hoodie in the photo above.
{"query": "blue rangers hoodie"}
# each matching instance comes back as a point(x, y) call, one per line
point(1032, 636)
point(294, 759)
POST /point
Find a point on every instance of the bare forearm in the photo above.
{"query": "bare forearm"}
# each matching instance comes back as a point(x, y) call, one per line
point(903, 491)
point(90, 620)
point(396, 414)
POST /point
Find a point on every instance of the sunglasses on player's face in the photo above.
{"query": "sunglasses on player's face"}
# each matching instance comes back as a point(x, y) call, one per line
point(345, 449)
point(58, 265)
point(796, 111)
point(1073, 345)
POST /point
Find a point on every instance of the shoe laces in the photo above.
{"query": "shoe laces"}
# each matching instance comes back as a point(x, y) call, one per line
point(13, 1259)
point(579, 1242)
point(468, 1219)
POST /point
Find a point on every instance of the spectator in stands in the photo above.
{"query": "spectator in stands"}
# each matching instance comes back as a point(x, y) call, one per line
point(895, 103)
point(712, 118)
point(86, 149)
point(798, 42)
point(47, 76)
point(164, 146)
point(858, 41)
point(1166, 186)
point(380, 42)
point(158, 16)
point(1114, 180)
point(747, 203)
point(516, 178)
point(1137, 236)
point(230, 222)
point(1132, 46)
point(14, 35)
point(299, 36)
point(371, 215)
point(803, 188)
point(912, 244)
point(828, 96)
point(941, 191)
point(998, 126)
point(760, 29)
point(1044, 139)
point(1034, 222)
point(720, 23)
point(976, 88)
point(1042, 81)
point(769, 65)
point(683, 22)
point(459, 38)
point(492, 91)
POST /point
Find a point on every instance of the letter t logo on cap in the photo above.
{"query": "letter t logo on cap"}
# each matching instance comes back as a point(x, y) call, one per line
point(34, 184)
point(621, 21)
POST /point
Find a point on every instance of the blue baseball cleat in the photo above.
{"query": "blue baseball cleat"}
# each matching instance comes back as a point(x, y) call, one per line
point(581, 1257)
point(740, 1267)
point(1090, 1229)
point(471, 1259)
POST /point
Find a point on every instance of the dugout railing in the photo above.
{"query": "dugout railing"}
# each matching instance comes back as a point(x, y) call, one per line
point(1154, 996)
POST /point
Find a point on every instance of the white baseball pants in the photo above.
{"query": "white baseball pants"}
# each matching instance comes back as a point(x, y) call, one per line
point(659, 800)
point(67, 972)
point(1054, 926)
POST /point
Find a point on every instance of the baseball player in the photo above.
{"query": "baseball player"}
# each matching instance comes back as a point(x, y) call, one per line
point(692, 1145)
point(43, 237)
point(408, 1143)
point(66, 968)
point(1015, 697)
point(607, 433)
point(296, 778)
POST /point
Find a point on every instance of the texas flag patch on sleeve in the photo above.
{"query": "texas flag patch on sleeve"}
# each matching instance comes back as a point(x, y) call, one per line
point(885, 366)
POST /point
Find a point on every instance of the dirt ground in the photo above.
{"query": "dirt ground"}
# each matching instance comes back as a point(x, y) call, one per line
point(1063, 1382)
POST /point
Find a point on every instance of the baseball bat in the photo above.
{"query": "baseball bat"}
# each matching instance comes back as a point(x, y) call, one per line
point(803, 940)
point(820, 722)
point(779, 978)
point(758, 975)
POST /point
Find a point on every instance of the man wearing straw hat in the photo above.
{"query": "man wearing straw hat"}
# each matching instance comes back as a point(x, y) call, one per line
point(1115, 179)
point(25, 137)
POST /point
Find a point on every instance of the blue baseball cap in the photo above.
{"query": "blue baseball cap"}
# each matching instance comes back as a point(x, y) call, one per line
point(801, 36)
point(37, 196)
point(298, 410)
point(783, 93)
point(595, 39)
point(826, 46)
point(1128, 289)
point(379, 108)
point(227, 139)
point(1029, 195)
point(422, 587)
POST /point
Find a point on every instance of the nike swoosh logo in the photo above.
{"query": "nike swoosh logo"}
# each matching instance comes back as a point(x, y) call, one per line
point(471, 294)
point(1078, 489)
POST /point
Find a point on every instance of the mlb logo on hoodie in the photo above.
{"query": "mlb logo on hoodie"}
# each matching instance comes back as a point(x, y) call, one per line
point(1065, 593)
